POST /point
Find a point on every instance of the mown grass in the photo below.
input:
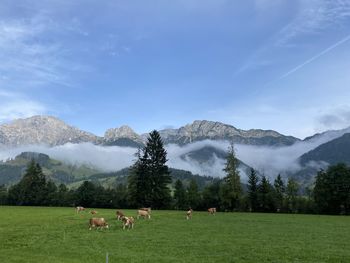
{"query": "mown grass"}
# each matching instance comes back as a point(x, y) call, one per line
point(38, 234)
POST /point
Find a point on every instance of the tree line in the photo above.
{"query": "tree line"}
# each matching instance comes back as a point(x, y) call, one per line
point(149, 184)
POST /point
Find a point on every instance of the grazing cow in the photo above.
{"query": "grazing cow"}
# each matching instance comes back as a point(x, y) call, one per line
point(189, 214)
point(79, 209)
point(148, 209)
point(143, 213)
point(212, 210)
point(128, 222)
point(93, 212)
point(119, 214)
point(97, 222)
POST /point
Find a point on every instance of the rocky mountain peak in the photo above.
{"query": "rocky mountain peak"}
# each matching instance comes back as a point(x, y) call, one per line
point(121, 133)
point(202, 129)
point(52, 131)
point(42, 130)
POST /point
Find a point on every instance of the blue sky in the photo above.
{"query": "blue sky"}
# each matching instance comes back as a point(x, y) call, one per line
point(270, 64)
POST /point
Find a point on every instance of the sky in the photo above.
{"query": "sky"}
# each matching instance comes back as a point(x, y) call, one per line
point(268, 64)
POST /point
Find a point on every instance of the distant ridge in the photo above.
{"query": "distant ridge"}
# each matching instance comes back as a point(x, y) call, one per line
point(52, 131)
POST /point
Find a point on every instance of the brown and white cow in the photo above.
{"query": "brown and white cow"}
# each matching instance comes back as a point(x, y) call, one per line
point(148, 209)
point(119, 214)
point(128, 222)
point(97, 222)
point(79, 209)
point(189, 214)
point(212, 210)
point(143, 214)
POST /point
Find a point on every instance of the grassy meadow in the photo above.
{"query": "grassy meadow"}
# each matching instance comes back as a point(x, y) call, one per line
point(41, 234)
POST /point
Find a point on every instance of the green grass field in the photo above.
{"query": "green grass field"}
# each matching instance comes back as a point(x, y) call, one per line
point(37, 234)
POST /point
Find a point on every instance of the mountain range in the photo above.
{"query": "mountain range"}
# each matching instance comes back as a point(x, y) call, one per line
point(51, 131)
point(200, 146)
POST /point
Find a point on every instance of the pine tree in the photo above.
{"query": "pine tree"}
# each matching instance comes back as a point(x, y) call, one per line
point(121, 195)
point(150, 176)
point(3, 195)
point(85, 194)
point(179, 195)
point(31, 189)
point(51, 194)
point(265, 196)
point(231, 190)
point(332, 190)
point(292, 194)
point(193, 197)
point(32, 186)
point(279, 192)
point(211, 195)
point(137, 183)
point(62, 195)
point(253, 190)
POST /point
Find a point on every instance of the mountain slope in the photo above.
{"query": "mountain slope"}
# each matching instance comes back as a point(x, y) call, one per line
point(329, 153)
point(122, 136)
point(11, 171)
point(120, 177)
point(332, 152)
point(42, 130)
point(51, 131)
point(201, 130)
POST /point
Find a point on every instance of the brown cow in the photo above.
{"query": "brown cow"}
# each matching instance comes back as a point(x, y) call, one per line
point(143, 213)
point(93, 212)
point(128, 222)
point(79, 209)
point(119, 214)
point(189, 214)
point(148, 209)
point(97, 222)
point(212, 210)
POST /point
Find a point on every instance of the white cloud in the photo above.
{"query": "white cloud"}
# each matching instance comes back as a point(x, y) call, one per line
point(177, 160)
point(15, 105)
point(337, 118)
point(29, 59)
point(108, 159)
point(314, 17)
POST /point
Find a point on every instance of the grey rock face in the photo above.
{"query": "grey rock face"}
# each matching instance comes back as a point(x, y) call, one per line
point(52, 131)
point(42, 130)
point(200, 130)
point(120, 133)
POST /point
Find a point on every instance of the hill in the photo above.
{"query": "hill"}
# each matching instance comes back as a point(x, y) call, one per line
point(121, 177)
point(12, 170)
point(332, 152)
point(329, 153)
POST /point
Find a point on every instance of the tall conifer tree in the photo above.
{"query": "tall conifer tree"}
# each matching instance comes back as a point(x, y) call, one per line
point(179, 195)
point(231, 191)
point(253, 190)
point(280, 190)
point(148, 183)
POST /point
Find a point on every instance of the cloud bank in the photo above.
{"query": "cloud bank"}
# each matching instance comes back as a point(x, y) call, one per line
point(267, 160)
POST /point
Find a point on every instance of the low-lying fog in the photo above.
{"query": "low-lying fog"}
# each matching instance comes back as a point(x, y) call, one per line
point(267, 160)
